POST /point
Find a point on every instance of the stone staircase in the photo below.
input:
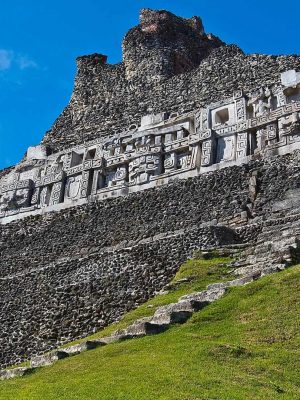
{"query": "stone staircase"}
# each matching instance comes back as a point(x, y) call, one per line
point(275, 247)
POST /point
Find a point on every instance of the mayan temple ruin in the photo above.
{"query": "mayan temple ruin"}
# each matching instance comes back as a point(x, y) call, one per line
point(187, 144)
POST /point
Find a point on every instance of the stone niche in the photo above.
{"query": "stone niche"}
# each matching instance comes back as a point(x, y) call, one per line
point(291, 83)
point(224, 115)
point(226, 148)
point(77, 158)
point(73, 185)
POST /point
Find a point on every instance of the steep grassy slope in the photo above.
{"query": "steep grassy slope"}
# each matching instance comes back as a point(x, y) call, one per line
point(244, 346)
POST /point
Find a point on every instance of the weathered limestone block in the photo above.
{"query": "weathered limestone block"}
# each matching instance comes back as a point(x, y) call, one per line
point(37, 153)
point(81, 347)
point(173, 313)
point(48, 359)
point(14, 373)
point(141, 327)
point(202, 299)
point(236, 282)
point(290, 78)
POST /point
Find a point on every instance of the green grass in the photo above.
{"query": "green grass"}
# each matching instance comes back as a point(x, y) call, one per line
point(244, 346)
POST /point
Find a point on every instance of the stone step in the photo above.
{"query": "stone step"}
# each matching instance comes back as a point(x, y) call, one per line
point(175, 313)
point(204, 298)
point(139, 328)
point(14, 373)
point(48, 359)
point(81, 347)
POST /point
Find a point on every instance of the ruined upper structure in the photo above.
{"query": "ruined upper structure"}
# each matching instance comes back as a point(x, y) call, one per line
point(169, 65)
point(164, 45)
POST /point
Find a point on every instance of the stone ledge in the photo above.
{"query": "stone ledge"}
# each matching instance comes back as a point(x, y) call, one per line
point(14, 373)
point(48, 359)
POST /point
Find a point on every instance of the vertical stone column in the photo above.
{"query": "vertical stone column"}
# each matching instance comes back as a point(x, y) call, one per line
point(98, 181)
point(57, 193)
point(84, 187)
point(207, 157)
point(242, 145)
point(240, 105)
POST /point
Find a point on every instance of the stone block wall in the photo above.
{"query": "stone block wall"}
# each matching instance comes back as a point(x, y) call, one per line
point(76, 295)
point(64, 275)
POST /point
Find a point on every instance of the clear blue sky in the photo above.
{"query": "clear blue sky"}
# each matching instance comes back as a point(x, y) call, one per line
point(40, 39)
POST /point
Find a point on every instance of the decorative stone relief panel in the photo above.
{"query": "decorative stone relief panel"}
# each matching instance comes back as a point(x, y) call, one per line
point(225, 149)
point(73, 185)
point(207, 153)
point(163, 146)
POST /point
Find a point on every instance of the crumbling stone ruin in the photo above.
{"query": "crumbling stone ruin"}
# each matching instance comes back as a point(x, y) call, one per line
point(188, 143)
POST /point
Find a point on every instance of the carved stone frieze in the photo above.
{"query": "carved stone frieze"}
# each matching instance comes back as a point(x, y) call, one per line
point(228, 130)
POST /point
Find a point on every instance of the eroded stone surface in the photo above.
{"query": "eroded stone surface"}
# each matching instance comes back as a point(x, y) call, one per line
point(48, 359)
point(202, 299)
point(81, 347)
point(14, 373)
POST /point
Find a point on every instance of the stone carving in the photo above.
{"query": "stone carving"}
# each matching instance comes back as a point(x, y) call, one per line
point(240, 109)
point(84, 188)
point(161, 147)
point(21, 198)
point(242, 145)
point(271, 133)
point(184, 160)
point(57, 193)
point(116, 177)
point(45, 196)
point(289, 125)
point(73, 187)
point(262, 102)
point(143, 168)
point(206, 158)
point(225, 149)
point(170, 162)
point(6, 202)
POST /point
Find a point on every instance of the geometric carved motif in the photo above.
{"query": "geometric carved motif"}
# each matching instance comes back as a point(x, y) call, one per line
point(135, 156)
point(56, 193)
point(206, 158)
point(242, 145)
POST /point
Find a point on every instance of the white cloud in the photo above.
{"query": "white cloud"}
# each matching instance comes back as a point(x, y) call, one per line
point(25, 62)
point(6, 58)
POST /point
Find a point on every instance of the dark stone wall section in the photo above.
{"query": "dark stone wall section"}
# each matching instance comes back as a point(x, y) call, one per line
point(76, 296)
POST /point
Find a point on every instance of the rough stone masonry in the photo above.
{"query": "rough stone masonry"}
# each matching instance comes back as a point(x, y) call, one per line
point(188, 143)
